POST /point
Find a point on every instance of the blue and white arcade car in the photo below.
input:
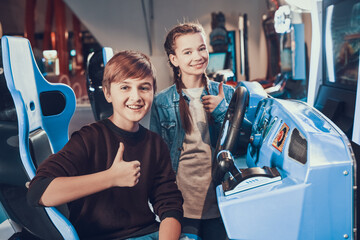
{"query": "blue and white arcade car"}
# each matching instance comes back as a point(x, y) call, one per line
point(298, 177)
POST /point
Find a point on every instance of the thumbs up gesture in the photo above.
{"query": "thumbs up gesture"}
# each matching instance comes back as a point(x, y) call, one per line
point(210, 102)
point(125, 174)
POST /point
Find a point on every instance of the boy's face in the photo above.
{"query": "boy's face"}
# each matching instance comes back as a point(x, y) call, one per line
point(131, 100)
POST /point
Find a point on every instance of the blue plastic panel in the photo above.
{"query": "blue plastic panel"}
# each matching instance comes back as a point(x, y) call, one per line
point(107, 54)
point(314, 199)
point(25, 83)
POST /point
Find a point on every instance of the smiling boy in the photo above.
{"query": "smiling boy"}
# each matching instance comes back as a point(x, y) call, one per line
point(109, 170)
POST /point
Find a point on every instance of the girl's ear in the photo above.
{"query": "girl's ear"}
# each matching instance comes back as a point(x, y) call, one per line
point(107, 95)
point(173, 60)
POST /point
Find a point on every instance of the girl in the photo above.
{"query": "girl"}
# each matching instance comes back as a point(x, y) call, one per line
point(188, 115)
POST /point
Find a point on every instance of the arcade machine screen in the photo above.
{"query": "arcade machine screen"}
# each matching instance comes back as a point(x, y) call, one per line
point(342, 43)
point(341, 38)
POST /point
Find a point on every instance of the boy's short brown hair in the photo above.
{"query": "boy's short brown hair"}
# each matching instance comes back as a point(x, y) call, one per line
point(128, 64)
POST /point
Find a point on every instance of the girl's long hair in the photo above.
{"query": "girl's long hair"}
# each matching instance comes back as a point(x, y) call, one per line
point(169, 45)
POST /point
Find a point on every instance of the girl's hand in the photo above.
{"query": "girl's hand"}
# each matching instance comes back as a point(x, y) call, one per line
point(210, 102)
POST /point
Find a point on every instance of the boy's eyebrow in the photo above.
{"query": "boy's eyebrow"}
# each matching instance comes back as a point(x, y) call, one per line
point(147, 83)
point(127, 81)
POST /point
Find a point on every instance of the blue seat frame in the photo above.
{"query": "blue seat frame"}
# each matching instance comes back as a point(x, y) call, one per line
point(36, 106)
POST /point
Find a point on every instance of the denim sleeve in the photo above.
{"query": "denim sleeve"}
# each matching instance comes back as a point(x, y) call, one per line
point(155, 120)
point(219, 112)
point(219, 115)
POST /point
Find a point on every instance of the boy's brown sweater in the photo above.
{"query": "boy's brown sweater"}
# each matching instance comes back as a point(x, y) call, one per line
point(118, 212)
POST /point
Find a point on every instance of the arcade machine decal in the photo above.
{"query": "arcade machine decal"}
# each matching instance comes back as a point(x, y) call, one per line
point(279, 140)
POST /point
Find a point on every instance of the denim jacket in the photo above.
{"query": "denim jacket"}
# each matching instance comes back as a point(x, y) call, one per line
point(165, 118)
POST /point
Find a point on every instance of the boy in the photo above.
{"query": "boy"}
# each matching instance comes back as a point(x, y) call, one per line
point(109, 170)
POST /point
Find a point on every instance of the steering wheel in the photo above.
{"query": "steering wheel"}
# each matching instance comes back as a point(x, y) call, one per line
point(230, 130)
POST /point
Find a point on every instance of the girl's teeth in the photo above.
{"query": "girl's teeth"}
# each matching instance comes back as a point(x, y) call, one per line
point(134, 107)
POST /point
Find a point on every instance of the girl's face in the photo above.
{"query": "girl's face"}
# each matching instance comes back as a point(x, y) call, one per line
point(191, 54)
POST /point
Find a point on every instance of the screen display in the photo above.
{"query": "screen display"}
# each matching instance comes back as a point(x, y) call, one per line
point(217, 62)
point(342, 43)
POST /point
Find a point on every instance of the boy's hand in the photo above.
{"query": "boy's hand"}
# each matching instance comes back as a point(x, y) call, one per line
point(210, 102)
point(125, 174)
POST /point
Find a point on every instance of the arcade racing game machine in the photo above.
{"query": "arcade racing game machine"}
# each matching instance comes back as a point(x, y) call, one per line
point(334, 86)
point(298, 176)
point(94, 75)
point(222, 60)
point(291, 81)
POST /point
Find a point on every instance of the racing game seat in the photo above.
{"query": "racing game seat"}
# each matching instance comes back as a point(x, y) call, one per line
point(94, 75)
point(34, 121)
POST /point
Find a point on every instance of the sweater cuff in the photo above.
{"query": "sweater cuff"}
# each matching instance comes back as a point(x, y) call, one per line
point(174, 214)
point(36, 190)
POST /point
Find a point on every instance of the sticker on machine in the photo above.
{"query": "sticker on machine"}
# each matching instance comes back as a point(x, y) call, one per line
point(279, 140)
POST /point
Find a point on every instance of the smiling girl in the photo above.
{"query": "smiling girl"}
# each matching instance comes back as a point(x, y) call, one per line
point(188, 115)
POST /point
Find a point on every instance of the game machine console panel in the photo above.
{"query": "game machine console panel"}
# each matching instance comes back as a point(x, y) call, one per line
point(298, 180)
